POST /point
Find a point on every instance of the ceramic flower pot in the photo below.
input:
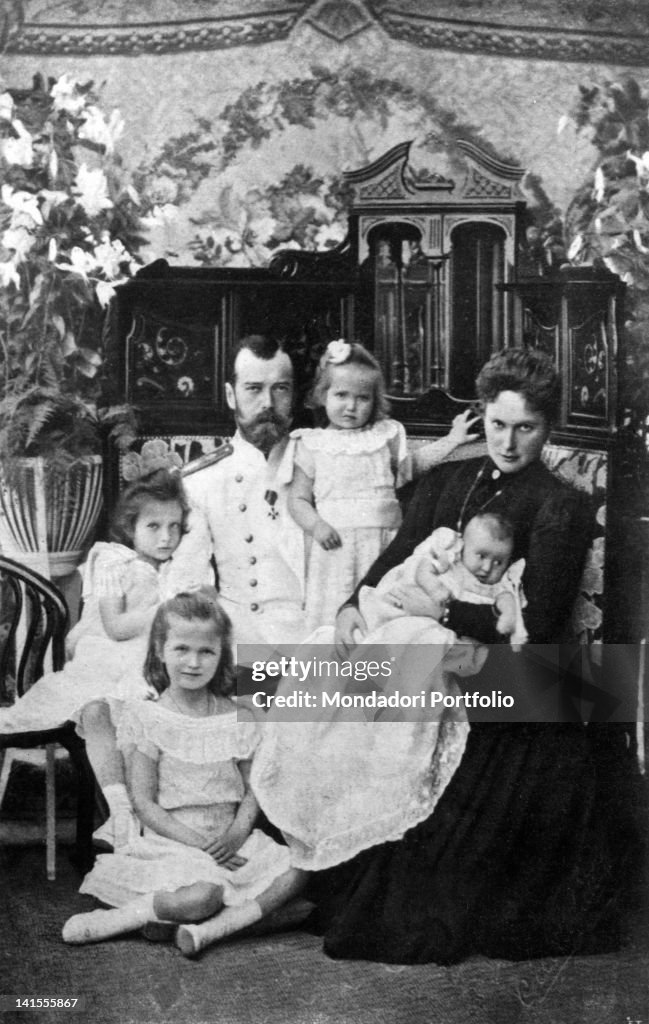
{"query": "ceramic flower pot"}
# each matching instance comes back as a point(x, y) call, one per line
point(55, 514)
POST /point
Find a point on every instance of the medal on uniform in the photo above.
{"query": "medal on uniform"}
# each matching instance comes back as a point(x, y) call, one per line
point(271, 498)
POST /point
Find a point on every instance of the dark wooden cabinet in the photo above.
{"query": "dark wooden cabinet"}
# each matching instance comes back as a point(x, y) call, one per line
point(173, 330)
point(576, 316)
point(417, 282)
point(427, 279)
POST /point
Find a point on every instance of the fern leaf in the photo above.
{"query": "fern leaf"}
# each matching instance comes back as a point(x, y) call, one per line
point(42, 413)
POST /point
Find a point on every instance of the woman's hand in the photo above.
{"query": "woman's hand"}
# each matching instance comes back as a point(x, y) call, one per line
point(326, 536)
point(463, 424)
point(350, 628)
point(413, 600)
point(224, 848)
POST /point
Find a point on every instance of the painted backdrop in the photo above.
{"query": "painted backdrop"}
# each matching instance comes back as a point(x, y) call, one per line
point(240, 116)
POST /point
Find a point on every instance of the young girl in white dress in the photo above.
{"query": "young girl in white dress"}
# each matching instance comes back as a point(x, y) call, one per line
point(199, 859)
point(121, 592)
point(343, 492)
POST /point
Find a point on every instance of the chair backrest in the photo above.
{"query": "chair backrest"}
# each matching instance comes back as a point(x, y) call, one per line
point(28, 596)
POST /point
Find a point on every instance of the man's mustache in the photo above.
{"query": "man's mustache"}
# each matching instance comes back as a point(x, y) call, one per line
point(270, 416)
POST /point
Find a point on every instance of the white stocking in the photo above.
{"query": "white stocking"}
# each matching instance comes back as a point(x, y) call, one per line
point(191, 938)
point(104, 924)
point(122, 826)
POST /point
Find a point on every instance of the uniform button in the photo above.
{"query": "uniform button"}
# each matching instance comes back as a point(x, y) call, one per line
point(253, 583)
point(238, 478)
point(254, 607)
point(243, 507)
point(252, 560)
point(248, 538)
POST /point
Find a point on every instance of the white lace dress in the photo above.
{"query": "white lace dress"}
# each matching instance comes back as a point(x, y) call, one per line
point(337, 782)
point(100, 668)
point(389, 624)
point(200, 784)
point(355, 474)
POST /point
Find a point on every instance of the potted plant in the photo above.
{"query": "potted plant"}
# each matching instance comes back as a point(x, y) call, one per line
point(68, 231)
point(607, 222)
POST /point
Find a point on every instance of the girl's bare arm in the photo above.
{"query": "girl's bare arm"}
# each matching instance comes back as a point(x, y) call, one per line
point(432, 454)
point(122, 622)
point(300, 504)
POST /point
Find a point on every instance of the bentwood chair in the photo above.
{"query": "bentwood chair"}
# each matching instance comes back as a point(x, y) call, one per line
point(34, 617)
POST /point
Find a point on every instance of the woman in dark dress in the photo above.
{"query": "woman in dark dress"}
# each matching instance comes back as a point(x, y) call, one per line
point(525, 853)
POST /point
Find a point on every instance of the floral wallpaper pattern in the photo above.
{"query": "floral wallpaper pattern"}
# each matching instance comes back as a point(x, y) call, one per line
point(240, 150)
point(271, 163)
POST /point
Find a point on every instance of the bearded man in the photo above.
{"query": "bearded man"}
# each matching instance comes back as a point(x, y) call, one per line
point(239, 508)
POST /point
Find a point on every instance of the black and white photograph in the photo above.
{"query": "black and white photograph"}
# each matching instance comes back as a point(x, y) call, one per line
point(324, 511)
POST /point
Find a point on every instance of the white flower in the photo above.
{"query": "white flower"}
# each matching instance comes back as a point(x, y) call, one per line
point(81, 262)
point(52, 250)
point(20, 240)
point(66, 95)
point(23, 205)
point(104, 292)
point(18, 151)
point(338, 351)
point(9, 274)
point(6, 106)
point(96, 129)
point(110, 256)
point(91, 188)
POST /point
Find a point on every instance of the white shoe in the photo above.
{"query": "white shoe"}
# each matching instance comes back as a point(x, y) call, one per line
point(188, 940)
point(90, 927)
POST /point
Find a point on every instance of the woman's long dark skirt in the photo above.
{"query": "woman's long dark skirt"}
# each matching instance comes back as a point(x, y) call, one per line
point(529, 853)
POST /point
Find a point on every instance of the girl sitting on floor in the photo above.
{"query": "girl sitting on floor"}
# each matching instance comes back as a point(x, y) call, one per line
point(199, 858)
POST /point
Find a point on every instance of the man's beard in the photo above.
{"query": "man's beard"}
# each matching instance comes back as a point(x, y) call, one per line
point(265, 430)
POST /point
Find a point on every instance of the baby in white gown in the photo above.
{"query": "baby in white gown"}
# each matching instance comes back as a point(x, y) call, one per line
point(473, 567)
